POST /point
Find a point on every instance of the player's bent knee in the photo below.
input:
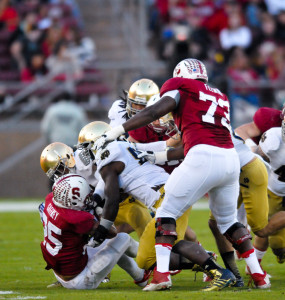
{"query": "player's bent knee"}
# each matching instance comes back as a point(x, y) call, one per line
point(237, 234)
point(166, 227)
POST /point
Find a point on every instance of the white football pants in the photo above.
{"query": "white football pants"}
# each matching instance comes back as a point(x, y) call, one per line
point(102, 259)
point(205, 169)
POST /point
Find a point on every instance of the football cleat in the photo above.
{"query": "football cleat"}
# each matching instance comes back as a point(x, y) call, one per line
point(144, 280)
point(54, 285)
point(107, 278)
point(206, 277)
point(175, 272)
point(220, 279)
point(160, 281)
point(280, 258)
point(261, 281)
point(247, 270)
point(239, 282)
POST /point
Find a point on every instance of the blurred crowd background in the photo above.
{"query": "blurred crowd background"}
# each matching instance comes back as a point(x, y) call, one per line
point(87, 52)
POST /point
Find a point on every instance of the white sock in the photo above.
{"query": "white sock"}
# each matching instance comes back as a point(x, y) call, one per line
point(259, 254)
point(253, 264)
point(131, 267)
point(163, 257)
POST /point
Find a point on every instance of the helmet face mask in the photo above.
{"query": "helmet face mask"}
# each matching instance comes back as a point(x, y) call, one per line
point(89, 134)
point(71, 191)
point(139, 94)
point(166, 124)
point(57, 159)
point(192, 69)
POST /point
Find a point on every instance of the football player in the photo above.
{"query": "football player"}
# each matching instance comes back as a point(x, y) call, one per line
point(263, 119)
point(272, 148)
point(253, 194)
point(157, 135)
point(67, 227)
point(121, 169)
point(211, 165)
point(58, 159)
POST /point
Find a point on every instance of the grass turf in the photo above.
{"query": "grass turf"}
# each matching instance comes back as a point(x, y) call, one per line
point(23, 274)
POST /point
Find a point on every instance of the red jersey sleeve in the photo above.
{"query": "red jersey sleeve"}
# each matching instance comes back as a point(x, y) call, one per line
point(266, 118)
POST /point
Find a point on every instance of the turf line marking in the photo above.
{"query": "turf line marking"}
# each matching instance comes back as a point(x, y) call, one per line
point(32, 206)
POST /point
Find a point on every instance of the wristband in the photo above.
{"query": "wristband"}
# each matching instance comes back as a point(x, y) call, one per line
point(161, 157)
point(106, 223)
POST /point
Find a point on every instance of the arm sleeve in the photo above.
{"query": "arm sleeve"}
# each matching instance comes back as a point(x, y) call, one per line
point(173, 94)
point(269, 142)
point(155, 146)
point(100, 188)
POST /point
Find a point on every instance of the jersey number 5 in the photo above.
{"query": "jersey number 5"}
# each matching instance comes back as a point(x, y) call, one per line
point(48, 229)
point(209, 117)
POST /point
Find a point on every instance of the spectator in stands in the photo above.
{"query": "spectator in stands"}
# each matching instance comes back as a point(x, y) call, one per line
point(243, 80)
point(35, 69)
point(236, 34)
point(63, 63)
point(8, 16)
point(274, 6)
point(280, 34)
point(81, 47)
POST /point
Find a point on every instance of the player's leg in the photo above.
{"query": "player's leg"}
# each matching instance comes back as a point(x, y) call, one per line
point(225, 197)
point(103, 261)
point(188, 183)
point(226, 250)
point(277, 239)
point(253, 188)
point(134, 213)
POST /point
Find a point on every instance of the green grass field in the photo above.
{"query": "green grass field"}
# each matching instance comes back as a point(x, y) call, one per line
point(23, 274)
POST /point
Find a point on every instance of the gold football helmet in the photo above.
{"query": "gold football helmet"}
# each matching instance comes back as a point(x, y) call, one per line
point(92, 131)
point(139, 94)
point(56, 158)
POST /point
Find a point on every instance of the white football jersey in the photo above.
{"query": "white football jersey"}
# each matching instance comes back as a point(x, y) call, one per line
point(117, 113)
point(244, 152)
point(139, 175)
point(273, 147)
point(85, 168)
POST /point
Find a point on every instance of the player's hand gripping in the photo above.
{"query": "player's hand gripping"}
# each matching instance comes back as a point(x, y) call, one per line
point(154, 157)
point(99, 236)
point(109, 136)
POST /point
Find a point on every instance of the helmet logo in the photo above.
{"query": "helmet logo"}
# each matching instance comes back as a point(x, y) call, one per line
point(75, 193)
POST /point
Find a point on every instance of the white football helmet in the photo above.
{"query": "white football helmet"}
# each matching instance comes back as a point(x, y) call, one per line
point(166, 124)
point(191, 68)
point(71, 191)
point(139, 94)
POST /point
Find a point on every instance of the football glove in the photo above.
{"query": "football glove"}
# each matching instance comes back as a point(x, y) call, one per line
point(159, 158)
point(96, 204)
point(109, 136)
point(99, 236)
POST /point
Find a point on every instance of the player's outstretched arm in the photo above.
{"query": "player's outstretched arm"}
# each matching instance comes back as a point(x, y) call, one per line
point(248, 131)
point(149, 114)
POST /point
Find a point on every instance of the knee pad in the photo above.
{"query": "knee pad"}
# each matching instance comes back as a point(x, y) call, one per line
point(160, 231)
point(237, 234)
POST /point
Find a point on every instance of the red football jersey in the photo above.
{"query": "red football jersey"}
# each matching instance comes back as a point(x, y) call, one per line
point(65, 233)
point(266, 118)
point(147, 135)
point(202, 114)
